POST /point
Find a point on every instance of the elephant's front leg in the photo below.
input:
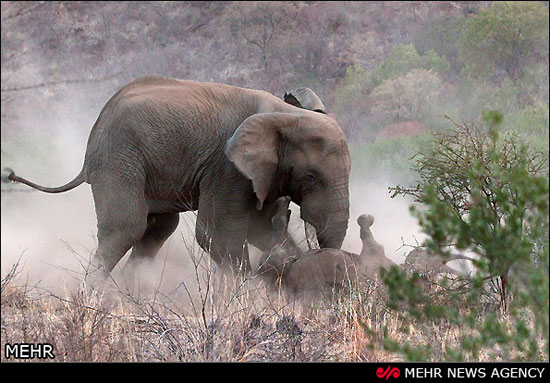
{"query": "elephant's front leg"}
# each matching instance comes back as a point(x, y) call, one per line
point(222, 227)
point(260, 228)
point(227, 246)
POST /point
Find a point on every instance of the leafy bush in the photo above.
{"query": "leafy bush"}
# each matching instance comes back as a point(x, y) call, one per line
point(404, 58)
point(402, 68)
point(408, 97)
point(469, 98)
point(488, 196)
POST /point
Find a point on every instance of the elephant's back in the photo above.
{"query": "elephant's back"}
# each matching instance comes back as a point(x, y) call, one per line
point(162, 104)
point(186, 93)
point(167, 127)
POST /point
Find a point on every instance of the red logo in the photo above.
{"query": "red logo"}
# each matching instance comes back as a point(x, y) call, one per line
point(388, 372)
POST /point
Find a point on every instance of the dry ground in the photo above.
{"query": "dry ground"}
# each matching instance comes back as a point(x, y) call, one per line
point(209, 317)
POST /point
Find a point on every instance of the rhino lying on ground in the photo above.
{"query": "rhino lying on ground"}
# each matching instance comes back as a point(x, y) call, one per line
point(316, 270)
point(424, 262)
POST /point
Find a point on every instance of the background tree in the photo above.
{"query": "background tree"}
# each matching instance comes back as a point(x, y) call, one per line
point(404, 58)
point(262, 25)
point(441, 35)
point(506, 36)
point(317, 49)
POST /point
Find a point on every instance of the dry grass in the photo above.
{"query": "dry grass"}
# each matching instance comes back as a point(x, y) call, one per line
point(226, 320)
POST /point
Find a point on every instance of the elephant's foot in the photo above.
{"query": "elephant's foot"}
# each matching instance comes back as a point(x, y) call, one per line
point(130, 278)
point(95, 277)
point(131, 281)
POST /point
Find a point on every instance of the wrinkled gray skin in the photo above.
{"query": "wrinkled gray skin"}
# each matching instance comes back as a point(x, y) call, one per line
point(283, 250)
point(315, 271)
point(162, 146)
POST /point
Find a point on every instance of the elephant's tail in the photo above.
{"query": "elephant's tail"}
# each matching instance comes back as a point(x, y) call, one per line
point(79, 179)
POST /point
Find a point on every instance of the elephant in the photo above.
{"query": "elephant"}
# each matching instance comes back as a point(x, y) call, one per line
point(312, 272)
point(162, 146)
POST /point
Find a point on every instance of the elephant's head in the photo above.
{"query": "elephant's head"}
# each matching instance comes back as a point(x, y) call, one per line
point(303, 155)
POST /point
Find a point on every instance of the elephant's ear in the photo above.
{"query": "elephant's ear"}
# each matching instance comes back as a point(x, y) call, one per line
point(254, 146)
point(305, 98)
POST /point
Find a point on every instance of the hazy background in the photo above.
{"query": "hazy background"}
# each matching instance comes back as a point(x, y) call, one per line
point(388, 71)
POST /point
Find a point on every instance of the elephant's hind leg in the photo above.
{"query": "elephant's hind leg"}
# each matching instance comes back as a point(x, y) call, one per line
point(159, 228)
point(121, 223)
point(228, 249)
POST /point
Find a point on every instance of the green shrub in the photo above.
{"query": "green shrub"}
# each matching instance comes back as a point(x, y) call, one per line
point(487, 196)
point(408, 97)
point(404, 58)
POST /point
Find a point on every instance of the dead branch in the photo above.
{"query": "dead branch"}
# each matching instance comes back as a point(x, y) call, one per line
point(63, 82)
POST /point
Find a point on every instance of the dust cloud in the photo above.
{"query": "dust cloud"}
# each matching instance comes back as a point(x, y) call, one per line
point(55, 234)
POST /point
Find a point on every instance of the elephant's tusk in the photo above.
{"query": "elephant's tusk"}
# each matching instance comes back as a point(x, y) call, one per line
point(311, 236)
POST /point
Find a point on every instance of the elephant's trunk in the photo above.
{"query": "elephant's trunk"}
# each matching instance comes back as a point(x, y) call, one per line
point(329, 215)
point(332, 233)
point(329, 235)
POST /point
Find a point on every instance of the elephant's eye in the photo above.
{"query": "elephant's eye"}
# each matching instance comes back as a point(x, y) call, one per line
point(310, 177)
